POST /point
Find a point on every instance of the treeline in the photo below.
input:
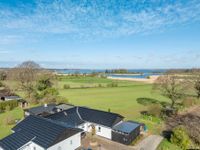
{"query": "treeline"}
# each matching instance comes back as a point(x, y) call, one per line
point(120, 71)
point(187, 71)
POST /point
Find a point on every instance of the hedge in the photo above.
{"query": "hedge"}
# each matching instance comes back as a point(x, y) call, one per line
point(12, 104)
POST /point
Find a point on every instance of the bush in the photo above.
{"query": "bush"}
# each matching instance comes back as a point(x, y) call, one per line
point(66, 86)
point(1, 84)
point(154, 110)
point(44, 83)
point(49, 91)
point(100, 85)
point(148, 77)
point(113, 84)
point(180, 137)
point(188, 102)
point(49, 99)
point(147, 101)
point(60, 99)
point(9, 120)
point(7, 108)
point(12, 104)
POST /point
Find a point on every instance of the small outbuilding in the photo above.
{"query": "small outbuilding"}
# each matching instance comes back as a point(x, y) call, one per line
point(126, 131)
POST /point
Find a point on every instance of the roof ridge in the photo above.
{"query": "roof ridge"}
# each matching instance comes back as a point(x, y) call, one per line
point(79, 113)
point(102, 111)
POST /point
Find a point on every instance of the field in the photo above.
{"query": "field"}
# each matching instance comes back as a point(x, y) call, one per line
point(85, 91)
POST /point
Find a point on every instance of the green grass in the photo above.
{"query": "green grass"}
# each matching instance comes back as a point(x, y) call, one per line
point(121, 99)
point(17, 113)
point(166, 145)
point(81, 81)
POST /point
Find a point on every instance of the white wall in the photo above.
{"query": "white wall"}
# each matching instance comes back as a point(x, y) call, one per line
point(104, 131)
point(71, 143)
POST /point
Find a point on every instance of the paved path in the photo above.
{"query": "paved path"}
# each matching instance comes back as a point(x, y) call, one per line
point(149, 143)
point(105, 144)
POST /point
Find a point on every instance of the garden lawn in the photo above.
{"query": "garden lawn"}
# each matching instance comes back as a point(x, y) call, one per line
point(5, 130)
point(121, 100)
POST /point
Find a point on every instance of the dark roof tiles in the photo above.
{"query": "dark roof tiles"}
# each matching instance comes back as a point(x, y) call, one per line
point(99, 117)
point(42, 109)
point(69, 117)
point(42, 132)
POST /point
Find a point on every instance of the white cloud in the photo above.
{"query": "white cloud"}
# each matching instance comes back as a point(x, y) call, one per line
point(98, 19)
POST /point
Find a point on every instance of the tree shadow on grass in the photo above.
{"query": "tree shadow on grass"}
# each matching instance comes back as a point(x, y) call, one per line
point(149, 101)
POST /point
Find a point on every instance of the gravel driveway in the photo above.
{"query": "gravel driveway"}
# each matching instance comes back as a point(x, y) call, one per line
point(149, 143)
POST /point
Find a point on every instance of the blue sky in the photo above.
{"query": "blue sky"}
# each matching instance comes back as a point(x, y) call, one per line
point(101, 33)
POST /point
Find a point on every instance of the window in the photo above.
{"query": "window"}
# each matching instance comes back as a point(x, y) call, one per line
point(34, 148)
point(71, 142)
point(99, 129)
point(59, 148)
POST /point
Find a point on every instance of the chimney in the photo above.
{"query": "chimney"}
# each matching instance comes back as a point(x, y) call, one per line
point(45, 105)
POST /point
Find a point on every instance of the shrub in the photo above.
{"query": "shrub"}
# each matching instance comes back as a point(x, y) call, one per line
point(154, 110)
point(49, 91)
point(60, 99)
point(9, 120)
point(113, 84)
point(66, 86)
point(148, 77)
point(147, 101)
point(100, 85)
point(1, 84)
point(7, 108)
point(12, 104)
point(180, 137)
point(44, 83)
point(188, 102)
point(49, 99)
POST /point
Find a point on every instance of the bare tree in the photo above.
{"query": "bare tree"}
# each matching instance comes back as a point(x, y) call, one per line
point(26, 74)
point(171, 87)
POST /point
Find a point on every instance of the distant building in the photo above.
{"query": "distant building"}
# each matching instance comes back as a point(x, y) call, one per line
point(6, 95)
point(10, 98)
point(47, 109)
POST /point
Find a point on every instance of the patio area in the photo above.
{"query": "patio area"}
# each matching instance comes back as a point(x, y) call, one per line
point(102, 144)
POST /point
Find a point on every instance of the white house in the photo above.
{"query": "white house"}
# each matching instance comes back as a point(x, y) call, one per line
point(37, 133)
point(86, 119)
point(62, 130)
point(108, 125)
